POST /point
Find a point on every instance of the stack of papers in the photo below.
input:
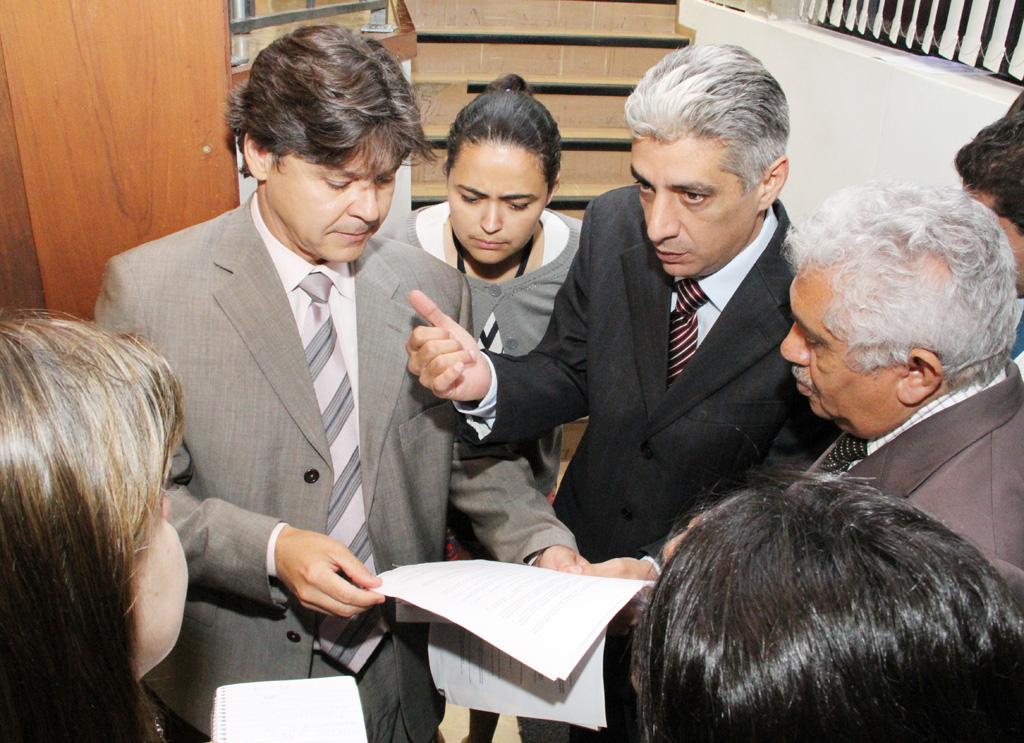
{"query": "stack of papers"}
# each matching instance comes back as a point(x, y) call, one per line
point(531, 640)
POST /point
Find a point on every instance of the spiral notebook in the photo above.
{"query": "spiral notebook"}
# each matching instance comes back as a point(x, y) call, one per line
point(323, 710)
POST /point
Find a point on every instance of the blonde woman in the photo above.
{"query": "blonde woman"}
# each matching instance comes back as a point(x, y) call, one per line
point(92, 577)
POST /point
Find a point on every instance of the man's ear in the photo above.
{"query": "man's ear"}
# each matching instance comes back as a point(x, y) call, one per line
point(772, 183)
point(258, 160)
point(923, 379)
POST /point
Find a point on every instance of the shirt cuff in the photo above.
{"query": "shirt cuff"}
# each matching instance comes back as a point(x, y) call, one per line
point(654, 563)
point(271, 550)
point(484, 412)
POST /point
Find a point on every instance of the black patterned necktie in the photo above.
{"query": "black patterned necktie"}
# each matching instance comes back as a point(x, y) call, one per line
point(847, 450)
point(682, 334)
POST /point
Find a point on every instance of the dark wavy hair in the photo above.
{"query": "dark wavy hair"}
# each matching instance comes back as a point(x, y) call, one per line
point(825, 610)
point(326, 94)
point(506, 113)
point(993, 163)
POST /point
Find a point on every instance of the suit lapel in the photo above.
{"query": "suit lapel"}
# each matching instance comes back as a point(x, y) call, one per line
point(383, 320)
point(254, 301)
point(648, 288)
point(912, 457)
point(752, 326)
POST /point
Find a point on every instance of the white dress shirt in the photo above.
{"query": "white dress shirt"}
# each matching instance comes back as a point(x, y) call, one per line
point(292, 269)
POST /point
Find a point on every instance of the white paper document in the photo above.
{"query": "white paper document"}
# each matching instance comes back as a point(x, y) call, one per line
point(323, 710)
point(471, 673)
point(542, 618)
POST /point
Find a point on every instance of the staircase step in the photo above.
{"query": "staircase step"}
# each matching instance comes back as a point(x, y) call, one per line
point(573, 103)
point(529, 60)
point(540, 83)
point(563, 88)
point(562, 38)
point(441, 102)
point(573, 138)
point(570, 196)
point(595, 16)
point(581, 165)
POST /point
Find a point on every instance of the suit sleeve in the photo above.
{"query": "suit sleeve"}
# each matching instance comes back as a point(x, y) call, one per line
point(493, 487)
point(225, 545)
point(548, 386)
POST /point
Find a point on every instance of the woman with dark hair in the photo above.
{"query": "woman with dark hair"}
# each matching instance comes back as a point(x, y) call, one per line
point(502, 165)
point(92, 576)
point(504, 155)
point(828, 611)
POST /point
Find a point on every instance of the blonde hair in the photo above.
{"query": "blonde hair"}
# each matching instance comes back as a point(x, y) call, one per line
point(89, 421)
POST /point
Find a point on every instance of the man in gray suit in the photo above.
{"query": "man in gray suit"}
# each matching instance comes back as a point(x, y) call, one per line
point(903, 321)
point(311, 458)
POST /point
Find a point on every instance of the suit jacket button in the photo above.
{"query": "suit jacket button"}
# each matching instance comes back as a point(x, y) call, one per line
point(626, 514)
point(293, 636)
point(646, 451)
point(311, 476)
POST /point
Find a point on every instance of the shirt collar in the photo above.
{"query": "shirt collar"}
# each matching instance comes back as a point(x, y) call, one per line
point(935, 406)
point(723, 283)
point(291, 267)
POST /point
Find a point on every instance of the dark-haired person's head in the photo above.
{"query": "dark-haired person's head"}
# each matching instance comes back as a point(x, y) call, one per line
point(504, 155)
point(92, 576)
point(506, 114)
point(323, 122)
point(826, 610)
point(1017, 106)
point(991, 167)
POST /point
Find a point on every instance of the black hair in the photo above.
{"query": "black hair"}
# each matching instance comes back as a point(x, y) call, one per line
point(506, 113)
point(1017, 106)
point(993, 164)
point(825, 610)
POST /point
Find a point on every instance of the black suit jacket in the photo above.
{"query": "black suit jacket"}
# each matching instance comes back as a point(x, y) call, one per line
point(650, 454)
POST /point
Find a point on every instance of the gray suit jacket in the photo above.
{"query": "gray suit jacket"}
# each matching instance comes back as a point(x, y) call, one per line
point(255, 452)
point(965, 466)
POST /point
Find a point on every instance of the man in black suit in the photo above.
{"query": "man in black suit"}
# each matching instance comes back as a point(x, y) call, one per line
point(672, 421)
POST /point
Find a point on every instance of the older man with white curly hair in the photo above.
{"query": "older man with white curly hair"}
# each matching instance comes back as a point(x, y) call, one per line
point(903, 322)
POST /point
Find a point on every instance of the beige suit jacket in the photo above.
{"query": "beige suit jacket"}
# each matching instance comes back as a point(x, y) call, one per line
point(255, 452)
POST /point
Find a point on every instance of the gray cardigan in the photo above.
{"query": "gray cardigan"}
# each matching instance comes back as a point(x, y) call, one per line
point(522, 307)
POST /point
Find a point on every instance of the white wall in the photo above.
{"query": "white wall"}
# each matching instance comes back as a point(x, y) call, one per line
point(859, 111)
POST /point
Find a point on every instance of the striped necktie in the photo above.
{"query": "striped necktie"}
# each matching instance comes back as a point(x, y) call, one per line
point(682, 336)
point(349, 641)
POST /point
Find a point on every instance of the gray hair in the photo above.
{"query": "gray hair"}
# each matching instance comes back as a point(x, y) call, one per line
point(719, 92)
point(913, 267)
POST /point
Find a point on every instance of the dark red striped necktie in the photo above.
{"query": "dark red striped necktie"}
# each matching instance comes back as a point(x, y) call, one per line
point(682, 333)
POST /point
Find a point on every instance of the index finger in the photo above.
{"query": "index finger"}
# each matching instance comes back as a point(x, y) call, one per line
point(429, 311)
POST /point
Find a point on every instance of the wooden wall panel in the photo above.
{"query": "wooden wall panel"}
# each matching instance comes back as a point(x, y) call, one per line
point(118, 109)
point(20, 285)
